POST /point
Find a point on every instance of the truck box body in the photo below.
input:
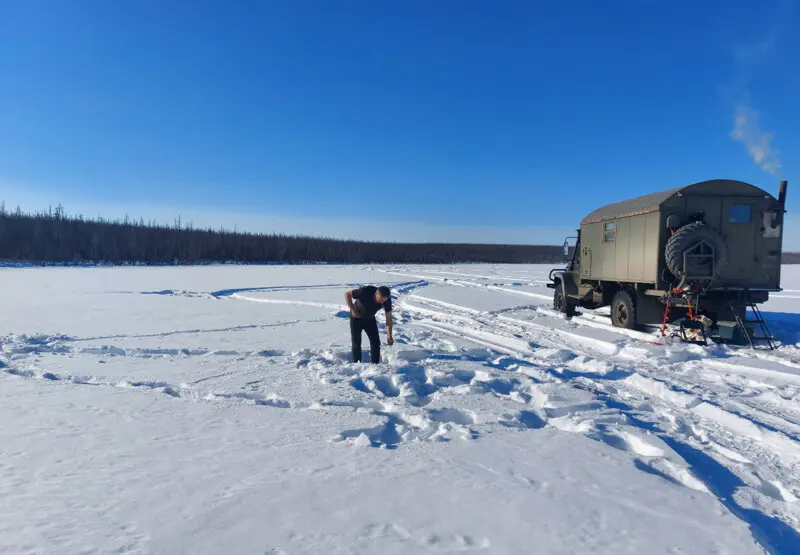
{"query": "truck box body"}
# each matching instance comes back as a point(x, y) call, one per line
point(625, 241)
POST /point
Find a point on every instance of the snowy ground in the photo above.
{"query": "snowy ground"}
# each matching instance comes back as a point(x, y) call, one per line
point(213, 410)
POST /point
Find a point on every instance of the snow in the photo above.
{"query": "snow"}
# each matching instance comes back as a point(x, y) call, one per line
point(214, 410)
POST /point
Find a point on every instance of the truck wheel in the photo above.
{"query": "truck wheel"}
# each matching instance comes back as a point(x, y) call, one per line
point(561, 303)
point(623, 311)
point(687, 237)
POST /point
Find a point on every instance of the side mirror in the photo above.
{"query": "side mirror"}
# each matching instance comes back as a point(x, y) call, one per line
point(566, 251)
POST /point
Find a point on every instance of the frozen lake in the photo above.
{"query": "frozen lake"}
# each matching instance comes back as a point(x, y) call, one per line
point(215, 410)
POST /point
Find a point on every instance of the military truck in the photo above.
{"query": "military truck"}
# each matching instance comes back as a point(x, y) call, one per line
point(703, 252)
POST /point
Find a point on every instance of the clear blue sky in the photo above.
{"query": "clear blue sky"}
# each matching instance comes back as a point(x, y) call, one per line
point(469, 119)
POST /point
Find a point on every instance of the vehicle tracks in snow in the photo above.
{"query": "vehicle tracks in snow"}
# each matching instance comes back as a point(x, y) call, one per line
point(704, 423)
point(526, 338)
point(522, 339)
point(714, 421)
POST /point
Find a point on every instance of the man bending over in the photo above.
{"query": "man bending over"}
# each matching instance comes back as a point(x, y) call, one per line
point(364, 303)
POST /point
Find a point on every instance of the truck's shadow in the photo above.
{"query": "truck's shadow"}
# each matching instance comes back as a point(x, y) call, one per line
point(785, 326)
point(774, 535)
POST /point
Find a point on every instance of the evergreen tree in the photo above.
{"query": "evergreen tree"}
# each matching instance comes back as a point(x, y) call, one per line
point(55, 237)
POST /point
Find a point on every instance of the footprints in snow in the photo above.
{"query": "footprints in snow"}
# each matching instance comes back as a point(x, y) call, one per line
point(441, 424)
point(24, 346)
point(380, 537)
point(431, 542)
point(454, 416)
point(81, 380)
point(256, 399)
point(412, 383)
point(406, 393)
point(524, 419)
point(404, 397)
point(178, 293)
point(378, 384)
point(631, 442)
point(158, 386)
point(183, 391)
point(31, 374)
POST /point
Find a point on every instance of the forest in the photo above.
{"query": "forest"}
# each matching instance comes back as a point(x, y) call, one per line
point(53, 237)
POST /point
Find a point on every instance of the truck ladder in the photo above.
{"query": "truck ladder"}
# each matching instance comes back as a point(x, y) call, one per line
point(766, 335)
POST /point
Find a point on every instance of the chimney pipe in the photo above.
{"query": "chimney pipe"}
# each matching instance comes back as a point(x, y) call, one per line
point(782, 195)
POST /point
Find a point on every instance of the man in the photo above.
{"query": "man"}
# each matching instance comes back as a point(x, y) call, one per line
point(364, 303)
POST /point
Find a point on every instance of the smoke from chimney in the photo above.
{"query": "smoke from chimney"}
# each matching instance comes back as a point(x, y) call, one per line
point(749, 60)
point(757, 142)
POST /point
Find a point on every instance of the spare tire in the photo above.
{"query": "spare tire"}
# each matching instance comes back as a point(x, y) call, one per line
point(688, 237)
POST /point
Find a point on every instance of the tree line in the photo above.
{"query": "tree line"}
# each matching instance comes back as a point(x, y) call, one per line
point(53, 237)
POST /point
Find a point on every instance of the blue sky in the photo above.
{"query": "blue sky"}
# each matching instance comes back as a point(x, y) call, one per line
point(414, 120)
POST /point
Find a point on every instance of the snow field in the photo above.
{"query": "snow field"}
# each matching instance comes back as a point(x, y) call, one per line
point(208, 410)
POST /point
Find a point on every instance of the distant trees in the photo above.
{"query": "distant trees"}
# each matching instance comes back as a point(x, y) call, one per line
point(791, 258)
point(54, 237)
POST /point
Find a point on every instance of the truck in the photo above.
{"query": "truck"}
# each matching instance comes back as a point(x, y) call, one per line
point(701, 254)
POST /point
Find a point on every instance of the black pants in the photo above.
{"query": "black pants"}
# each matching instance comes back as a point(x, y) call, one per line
point(369, 325)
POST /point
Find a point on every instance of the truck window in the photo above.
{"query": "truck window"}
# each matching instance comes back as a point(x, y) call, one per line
point(609, 232)
point(739, 214)
point(771, 227)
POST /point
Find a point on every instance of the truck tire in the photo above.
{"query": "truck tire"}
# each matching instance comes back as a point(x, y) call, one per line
point(687, 237)
point(560, 301)
point(623, 310)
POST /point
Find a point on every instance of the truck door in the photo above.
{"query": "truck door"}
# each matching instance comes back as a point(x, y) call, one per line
point(740, 224)
point(586, 261)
